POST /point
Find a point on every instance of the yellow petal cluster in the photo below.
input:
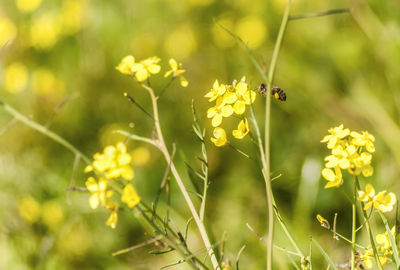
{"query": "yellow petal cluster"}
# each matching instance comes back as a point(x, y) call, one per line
point(229, 99)
point(380, 201)
point(114, 162)
point(384, 248)
point(141, 70)
point(176, 71)
point(130, 196)
point(350, 151)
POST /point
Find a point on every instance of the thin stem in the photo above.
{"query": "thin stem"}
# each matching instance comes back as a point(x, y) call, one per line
point(319, 14)
point(163, 148)
point(353, 227)
point(266, 156)
point(42, 129)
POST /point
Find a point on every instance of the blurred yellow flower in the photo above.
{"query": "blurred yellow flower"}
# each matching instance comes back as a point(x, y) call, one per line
point(130, 196)
point(219, 137)
point(219, 111)
point(29, 209)
point(71, 15)
point(200, 2)
point(142, 69)
point(242, 130)
point(114, 162)
point(16, 77)
point(363, 139)
point(252, 31)
point(113, 218)
point(367, 257)
point(140, 156)
point(384, 202)
point(367, 196)
point(177, 71)
point(99, 192)
point(221, 38)
point(8, 31)
point(52, 214)
point(44, 82)
point(27, 5)
point(323, 221)
point(45, 30)
point(181, 42)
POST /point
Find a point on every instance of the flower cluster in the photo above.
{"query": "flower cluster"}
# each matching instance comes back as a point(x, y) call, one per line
point(380, 201)
point(229, 99)
point(347, 153)
point(384, 248)
point(112, 164)
point(144, 69)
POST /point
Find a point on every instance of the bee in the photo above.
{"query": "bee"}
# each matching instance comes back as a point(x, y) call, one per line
point(277, 92)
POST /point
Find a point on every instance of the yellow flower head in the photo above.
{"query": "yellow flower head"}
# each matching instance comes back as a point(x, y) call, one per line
point(336, 134)
point(114, 162)
point(99, 192)
point(384, 202)
point(324, 222)
point(28, 5)
point(219, 111)
point(8, 31)
point(244, 96)
point(130, 196)
point(45, 30)
point(242, 130)
point(217, 91)
point(219, 137)
point(177, 71)
point(367, 196)
point(367, 257)
point(363, 139)
point(113, 218)
point(16, 77)
point(29, 209)
point(334, 177)
point(142, 70)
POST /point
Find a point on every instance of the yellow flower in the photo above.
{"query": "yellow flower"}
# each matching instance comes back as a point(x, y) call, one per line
point(177, 71)
point(336, 134)
point(45, 30)
point(16, 77)
point(130, 196)
point(367, 196)
point(243, 97)
point(338, 158)
point(126, 64)
point(367, 257)
point(324, 222)
point(52, 214)
point(334, 177)
point(28, 5)
point(219, 111)
point(220, 137)
point(8, 31)
point(44, 82)
point(364, 139)
point(384, 202)
point(29, 209)
point(216, 91)
point(142, 69)
point(99, 192)
point(242, 130)
point(114, 162)
point(113, 218)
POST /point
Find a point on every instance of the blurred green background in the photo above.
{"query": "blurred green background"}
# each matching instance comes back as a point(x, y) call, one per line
point(334, 69)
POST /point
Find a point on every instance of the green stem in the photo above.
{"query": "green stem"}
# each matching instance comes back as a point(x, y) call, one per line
point(353, 227)
point(371, 235)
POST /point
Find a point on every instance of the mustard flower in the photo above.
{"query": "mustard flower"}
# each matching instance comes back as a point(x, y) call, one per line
point(219, 111)
point(367, 257)
point(382, 202)
point(242, 130)
point(217, 91)
point(219, 137)
point(338, 158)
point(177, 71)
point(99, 192)
point(113, 218)
point(323, 221)
point(334, 177)
point(363, 139)
point(243, 97)
point(130, 196)
point(114, 162)
point(336, 134)
point(142, 69)
point(367, 196)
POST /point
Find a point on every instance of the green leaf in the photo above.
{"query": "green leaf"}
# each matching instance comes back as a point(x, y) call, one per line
point(327, 258)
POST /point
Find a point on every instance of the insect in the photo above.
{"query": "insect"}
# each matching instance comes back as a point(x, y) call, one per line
point(277, 92)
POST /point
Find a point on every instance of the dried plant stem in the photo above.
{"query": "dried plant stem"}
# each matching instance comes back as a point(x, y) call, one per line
point(266, 160)
point(163, 148)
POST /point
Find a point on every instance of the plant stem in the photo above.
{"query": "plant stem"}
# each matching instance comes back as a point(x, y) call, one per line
point(353, 227)
point(266, 159)
point(163, 148)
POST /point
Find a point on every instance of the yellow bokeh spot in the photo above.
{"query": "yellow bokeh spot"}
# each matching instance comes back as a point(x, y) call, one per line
point(71, 16)
point(52, 214)
point(140, 156)
point(200, 2)
point(44, 82)
point(27, 5)
point(16, 77)
point(181, 43)
point(45, 30)
point(252, 31)
point(74, 242)
point(29, 209)
point(108, 135)
point(8, 31)
point(221, 38)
